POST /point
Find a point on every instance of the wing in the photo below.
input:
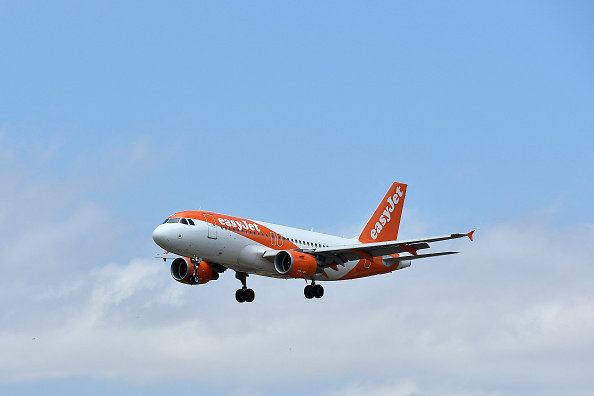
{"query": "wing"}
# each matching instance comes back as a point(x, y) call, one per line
point(167, 256)
point(342, 254)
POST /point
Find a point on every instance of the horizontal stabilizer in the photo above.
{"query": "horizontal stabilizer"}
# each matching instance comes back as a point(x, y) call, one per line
point(391, 260)
point(167, 256)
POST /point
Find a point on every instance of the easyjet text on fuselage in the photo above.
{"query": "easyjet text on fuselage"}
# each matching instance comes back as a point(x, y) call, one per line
point(240, 225)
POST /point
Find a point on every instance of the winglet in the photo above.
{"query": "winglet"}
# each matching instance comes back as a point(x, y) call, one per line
point(469, 235)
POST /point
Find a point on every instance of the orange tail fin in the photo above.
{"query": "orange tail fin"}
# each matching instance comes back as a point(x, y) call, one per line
point(384, 224)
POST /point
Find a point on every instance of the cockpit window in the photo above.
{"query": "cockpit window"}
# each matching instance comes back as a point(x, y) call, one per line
point(173, 220)
point(184, 221)
point(191, 221)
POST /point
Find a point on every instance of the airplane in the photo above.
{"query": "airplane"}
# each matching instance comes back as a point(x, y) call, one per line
point(204, 244)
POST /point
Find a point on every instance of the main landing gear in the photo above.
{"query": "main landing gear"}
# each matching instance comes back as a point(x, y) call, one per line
point(313, 290)
point(244, 294)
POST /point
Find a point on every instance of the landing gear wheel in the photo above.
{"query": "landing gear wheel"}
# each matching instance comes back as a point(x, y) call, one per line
point(196, 279)
point(240, 296)
point(318, 291)
point(249, 295)
point(244, 294)
point(308, 291)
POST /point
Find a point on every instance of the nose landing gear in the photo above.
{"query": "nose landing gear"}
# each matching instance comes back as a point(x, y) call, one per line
point(313, 290)
point(244, 294)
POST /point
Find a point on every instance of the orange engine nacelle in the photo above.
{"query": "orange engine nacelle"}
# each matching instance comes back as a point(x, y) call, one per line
point(293, 264)
point(185, 271)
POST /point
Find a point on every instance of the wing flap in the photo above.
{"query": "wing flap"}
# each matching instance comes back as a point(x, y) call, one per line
point(392, 260)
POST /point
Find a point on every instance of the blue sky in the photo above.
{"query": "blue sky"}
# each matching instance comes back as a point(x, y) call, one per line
point(114, 115)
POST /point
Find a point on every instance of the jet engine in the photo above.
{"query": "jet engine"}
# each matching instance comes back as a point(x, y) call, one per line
point(185, 271)
point(295, 264)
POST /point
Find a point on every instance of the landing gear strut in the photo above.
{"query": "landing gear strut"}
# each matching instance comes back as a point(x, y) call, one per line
point(313, 290)
point(244, 294)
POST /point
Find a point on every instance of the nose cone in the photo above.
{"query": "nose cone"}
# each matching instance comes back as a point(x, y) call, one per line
point(160, 236)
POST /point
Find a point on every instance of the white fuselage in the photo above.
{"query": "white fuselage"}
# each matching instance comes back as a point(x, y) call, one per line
point(240, 244)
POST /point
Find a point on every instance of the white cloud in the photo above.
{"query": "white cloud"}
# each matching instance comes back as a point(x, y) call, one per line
point(389, 388)
point(441, 318)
